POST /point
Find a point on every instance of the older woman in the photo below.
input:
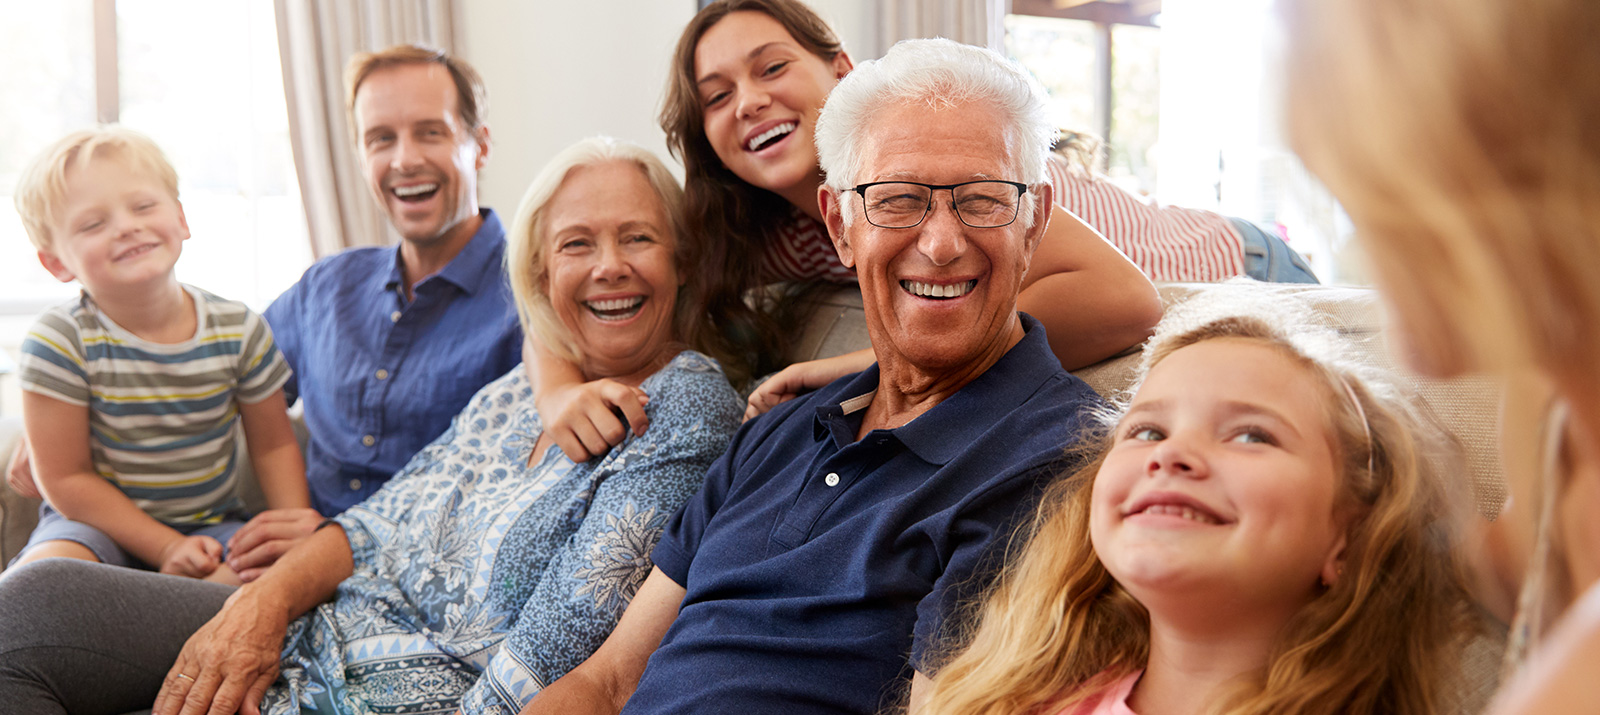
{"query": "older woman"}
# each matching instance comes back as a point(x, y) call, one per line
point(487, 567)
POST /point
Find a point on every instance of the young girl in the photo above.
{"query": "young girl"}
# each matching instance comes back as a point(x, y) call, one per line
point(1263, 533)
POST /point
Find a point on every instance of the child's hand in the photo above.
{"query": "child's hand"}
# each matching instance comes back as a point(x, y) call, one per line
point(582, 419)
point(192, 556)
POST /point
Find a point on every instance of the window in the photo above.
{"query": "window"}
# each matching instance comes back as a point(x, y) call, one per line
point(1100, 62)
point(200, 77)
point(1186, 97)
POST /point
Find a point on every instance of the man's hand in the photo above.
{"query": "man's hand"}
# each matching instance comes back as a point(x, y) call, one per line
point(582, 419)
point(226, 666)
point(19, 474)
point(192, 556)
point(266, 538)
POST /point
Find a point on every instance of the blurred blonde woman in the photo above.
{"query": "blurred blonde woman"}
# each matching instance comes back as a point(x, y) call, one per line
point(1262, 533)
point(1460, 135)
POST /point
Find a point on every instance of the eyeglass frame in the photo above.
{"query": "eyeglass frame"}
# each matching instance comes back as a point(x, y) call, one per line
point(861, 189)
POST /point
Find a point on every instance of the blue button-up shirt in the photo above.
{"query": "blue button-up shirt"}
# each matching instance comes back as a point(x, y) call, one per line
point(814, 561)
point(381, 377)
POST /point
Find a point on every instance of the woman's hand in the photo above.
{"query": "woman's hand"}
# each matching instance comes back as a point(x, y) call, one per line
point(192, 556)
point(226, 666)
point(803, 377)
point(587, 419)
point(266, 538)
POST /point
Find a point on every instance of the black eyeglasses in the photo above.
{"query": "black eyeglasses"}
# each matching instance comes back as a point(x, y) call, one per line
point(985, 203)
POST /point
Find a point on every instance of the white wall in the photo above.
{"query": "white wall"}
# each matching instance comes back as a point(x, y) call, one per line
point(558, 71)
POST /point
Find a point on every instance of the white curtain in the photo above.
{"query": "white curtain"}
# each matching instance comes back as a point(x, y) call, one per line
point(315, 39)
point(973, 22)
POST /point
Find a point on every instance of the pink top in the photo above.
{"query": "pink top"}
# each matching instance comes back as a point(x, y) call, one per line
point(1113, 701)
point(1168, 243)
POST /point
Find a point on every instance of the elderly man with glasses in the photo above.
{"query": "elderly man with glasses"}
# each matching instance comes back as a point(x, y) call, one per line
point(842, 529)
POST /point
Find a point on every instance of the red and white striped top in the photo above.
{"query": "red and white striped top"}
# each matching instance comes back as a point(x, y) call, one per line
point(803, 252)
point(1168, 243)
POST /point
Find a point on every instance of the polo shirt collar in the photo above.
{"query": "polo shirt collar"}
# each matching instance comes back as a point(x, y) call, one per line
point(467, 271)
point(944, 432)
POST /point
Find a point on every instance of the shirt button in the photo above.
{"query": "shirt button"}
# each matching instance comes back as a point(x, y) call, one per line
point(355, 485)
point(831, 480)
point(394, 317)
point(369, 440)
point(381, 374)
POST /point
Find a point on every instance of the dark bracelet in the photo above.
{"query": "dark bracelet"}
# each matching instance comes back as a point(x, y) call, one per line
point(325, 522)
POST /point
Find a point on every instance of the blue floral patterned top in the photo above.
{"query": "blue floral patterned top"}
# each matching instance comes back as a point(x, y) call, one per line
point(480, 579)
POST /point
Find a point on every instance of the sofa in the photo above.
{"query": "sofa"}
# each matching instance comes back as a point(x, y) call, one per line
point(1467, 407)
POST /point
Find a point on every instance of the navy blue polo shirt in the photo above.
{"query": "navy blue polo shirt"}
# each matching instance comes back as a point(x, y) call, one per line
point(379, 376)
point(815, 564)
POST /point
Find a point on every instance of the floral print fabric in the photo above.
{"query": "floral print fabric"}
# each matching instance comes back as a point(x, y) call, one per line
point(479, 578)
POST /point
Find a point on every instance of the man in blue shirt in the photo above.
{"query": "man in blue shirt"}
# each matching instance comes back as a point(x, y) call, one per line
point(840, 530)
point(388, 344)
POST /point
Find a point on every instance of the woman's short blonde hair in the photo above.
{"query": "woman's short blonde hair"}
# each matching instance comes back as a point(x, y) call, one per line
point(526, 243)
point(1461, 137)
point(42, 189)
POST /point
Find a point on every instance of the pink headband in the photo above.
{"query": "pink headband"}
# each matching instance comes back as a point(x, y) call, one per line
point(1366, 427)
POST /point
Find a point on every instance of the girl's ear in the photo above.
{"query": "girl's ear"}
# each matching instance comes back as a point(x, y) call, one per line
point(1333, 568)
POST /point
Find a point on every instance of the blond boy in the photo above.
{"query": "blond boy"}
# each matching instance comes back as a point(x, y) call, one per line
point(135, 392)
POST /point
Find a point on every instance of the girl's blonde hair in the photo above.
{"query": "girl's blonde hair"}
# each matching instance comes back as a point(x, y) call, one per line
point(1057, 629)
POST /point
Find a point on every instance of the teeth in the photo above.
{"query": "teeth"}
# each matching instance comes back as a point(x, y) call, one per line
point(135, 251)
point(1179, 511)
point(404, 191)
point(779, 130)
point(930, 290)
point(608, 309)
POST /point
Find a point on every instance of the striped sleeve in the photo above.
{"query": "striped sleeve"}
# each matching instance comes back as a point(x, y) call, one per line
point(262, 369)
point(1168, 243)
point(52, 361)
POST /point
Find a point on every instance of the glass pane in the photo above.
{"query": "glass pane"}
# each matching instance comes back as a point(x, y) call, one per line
point(47, 91)
point(202, 78)
point(1135, 106)
point(1061, 54)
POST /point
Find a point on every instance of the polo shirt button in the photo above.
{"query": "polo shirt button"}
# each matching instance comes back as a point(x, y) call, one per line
point(831, 480)
point(381, 374)
point(355, 485)
point(394, 317)
point(369, 440)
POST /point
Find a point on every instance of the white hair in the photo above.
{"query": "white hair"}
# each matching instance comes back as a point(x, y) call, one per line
point(939, 73)
point(525, 242)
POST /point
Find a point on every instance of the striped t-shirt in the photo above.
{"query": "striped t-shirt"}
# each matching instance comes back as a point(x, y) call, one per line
point(1168, 243)
point(163, 418)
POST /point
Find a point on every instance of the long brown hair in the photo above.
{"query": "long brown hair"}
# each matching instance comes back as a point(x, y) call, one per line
point(733, 219)
point(1058, 629)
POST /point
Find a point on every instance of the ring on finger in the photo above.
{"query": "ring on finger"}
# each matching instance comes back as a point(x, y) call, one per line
point(189, 678)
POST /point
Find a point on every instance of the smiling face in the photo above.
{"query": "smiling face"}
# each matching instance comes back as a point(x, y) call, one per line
point(118, 229)
point(1221, 484)
point(761, 92)
point(941, 295)
point(610, 269)
point(421, 161)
